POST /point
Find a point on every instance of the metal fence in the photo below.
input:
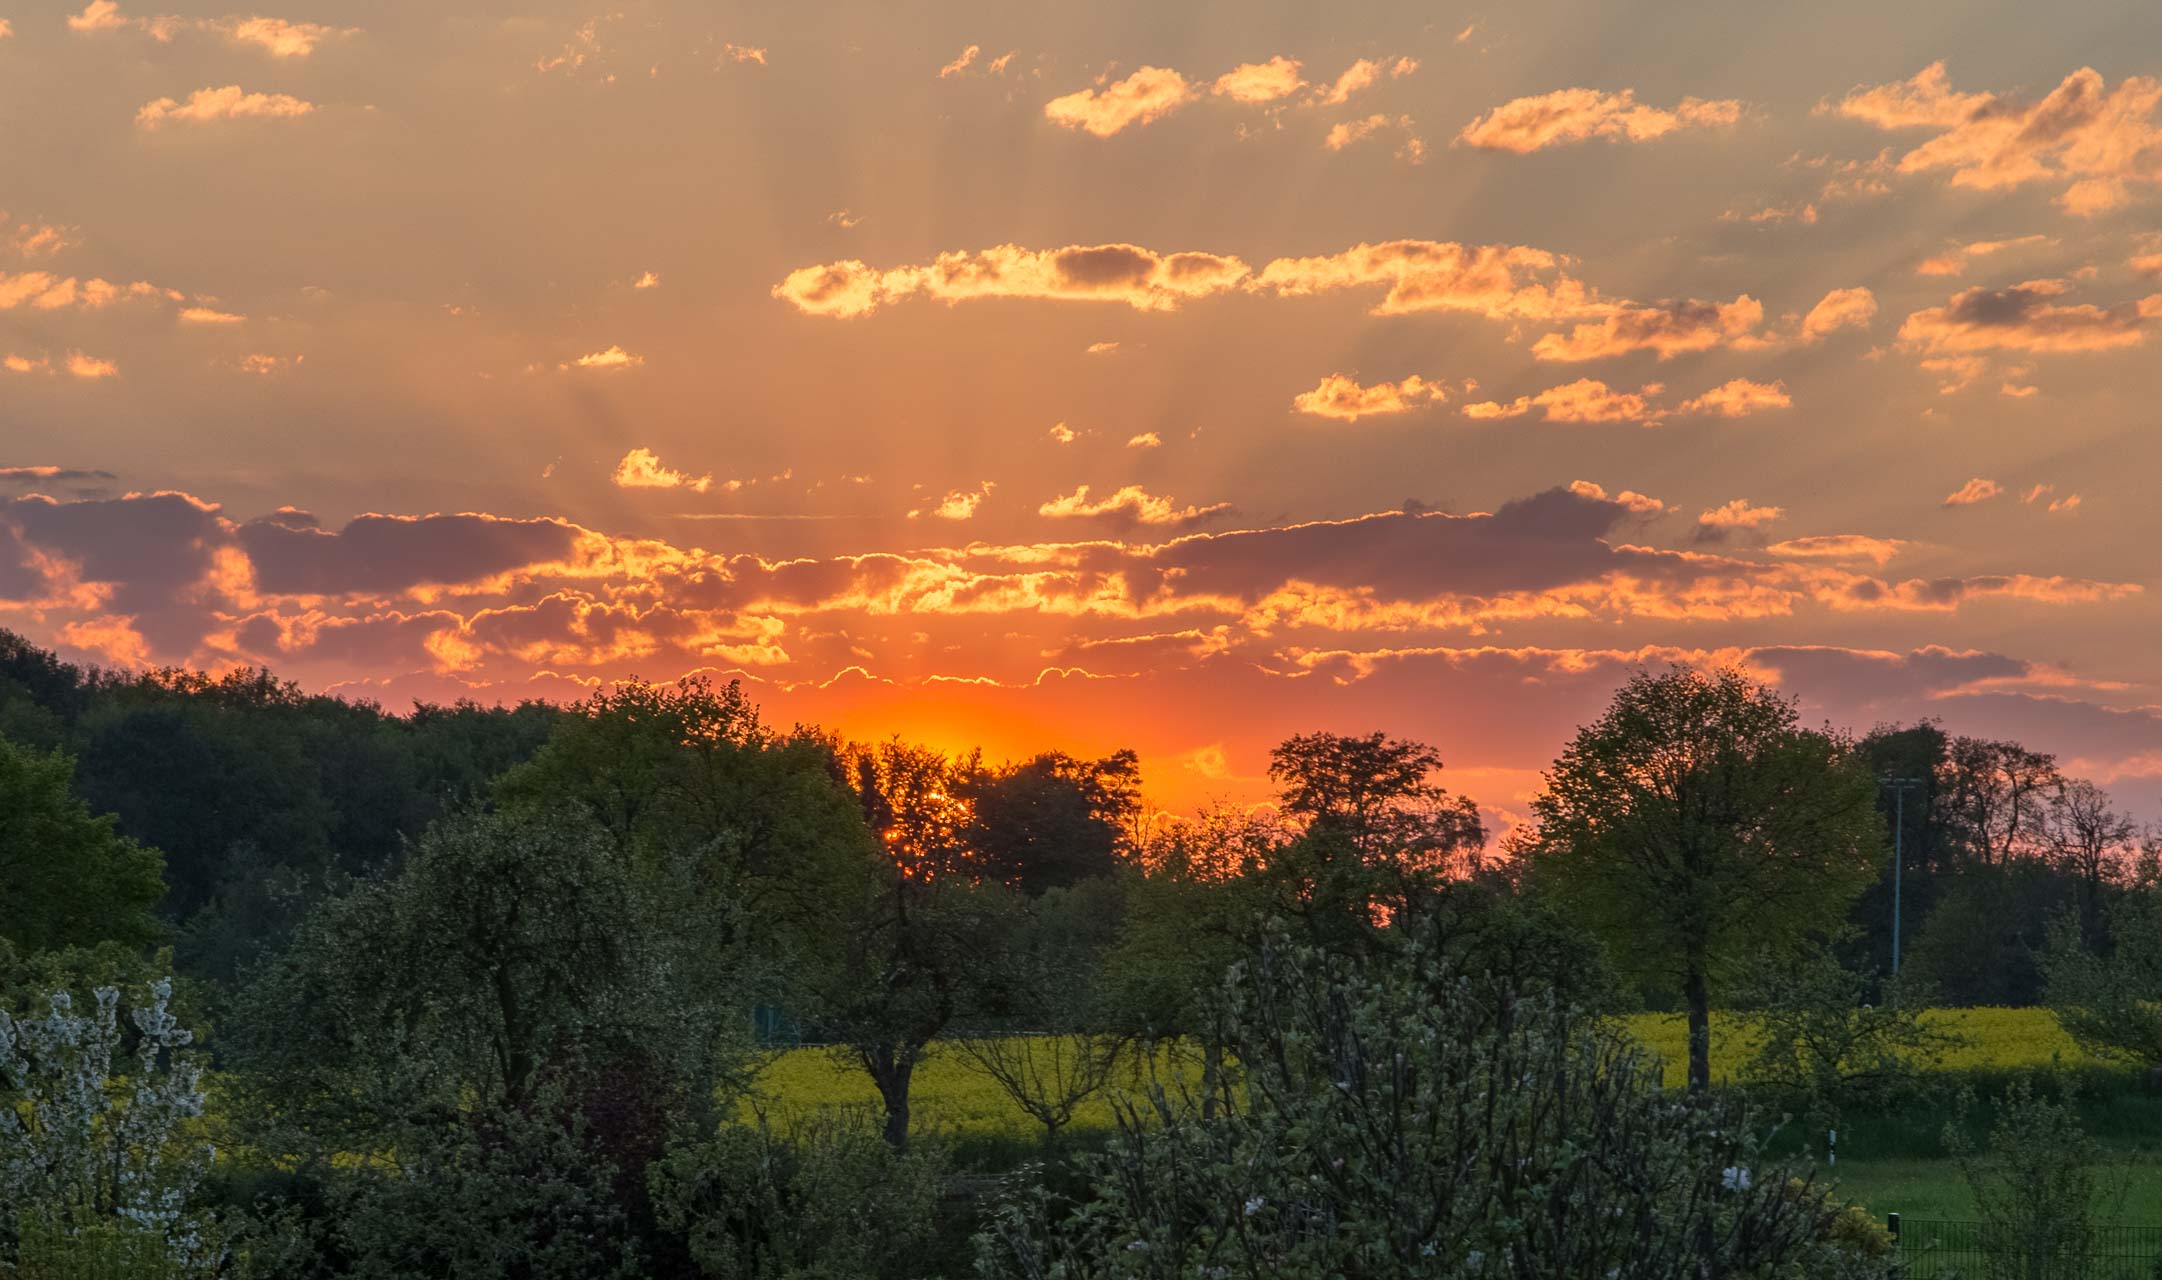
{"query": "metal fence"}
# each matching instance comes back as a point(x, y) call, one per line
point(1974, 1251)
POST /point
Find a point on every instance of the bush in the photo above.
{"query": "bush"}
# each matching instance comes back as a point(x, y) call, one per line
point(828, 1198)
point(2035, 1186)
point(496, 1196)
point(1393, 1119)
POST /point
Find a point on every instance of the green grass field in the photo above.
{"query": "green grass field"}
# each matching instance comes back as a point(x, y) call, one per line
point(1891, 1164)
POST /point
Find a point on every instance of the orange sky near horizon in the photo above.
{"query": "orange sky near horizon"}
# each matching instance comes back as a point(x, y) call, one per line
point(1174, 377)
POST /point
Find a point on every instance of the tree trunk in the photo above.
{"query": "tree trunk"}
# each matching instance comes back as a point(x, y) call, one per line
point(1698, 993)
point(1212, 1076)
point(892, 1077)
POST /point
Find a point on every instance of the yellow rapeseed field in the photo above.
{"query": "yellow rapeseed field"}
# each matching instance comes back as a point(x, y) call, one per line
point(951, 1096)
point(1996, 1038)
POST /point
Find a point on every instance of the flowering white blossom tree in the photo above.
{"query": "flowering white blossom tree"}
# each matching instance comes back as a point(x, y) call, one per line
point(91, 1144)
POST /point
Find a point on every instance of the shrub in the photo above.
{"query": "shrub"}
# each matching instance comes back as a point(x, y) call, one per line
point(828, 1197)
point(1394, 1119)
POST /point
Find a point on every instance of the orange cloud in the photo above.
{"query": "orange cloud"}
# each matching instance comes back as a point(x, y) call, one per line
point(2094, 139)
point(2025, 317)
point(1140, 278)
point(44, 291)
point(1837, 310)
point(1567, 116)
point(1147, 95)
point(227, 103)
point(41, 239)
point(1955, 260)
point(1739, 398)
point(1838, 546)
point(1342, 398)
point(1668, 328)
point(98, 15)
point(1145, 440)
point(85, 366)
point(1975, 490)
point(614, 357)
point(279, 38)
point(642, 469)
point(1498, 281)
point(1585, 400)
point(210, 316)
point(1130, 505)
point(960, 504)
point(1352, 131)
point(960, 63)
point(1739, 514)
point(1258, 82)
point(1361, 75)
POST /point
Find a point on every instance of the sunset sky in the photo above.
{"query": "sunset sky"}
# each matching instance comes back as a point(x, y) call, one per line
point(1167, 375)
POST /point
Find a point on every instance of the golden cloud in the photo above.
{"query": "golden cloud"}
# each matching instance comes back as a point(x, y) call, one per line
point(1585, 400)
point(1341, 397)
point(1668, 328)
point(1140, 278)
point(1739, 398)
point(1258, 82)
point(642, 469)
point(1837, 310)
point(2095, 139)
point(1740, 514)
point(1147, 95)
point(1132, 504)
point(1567, 116)
point(2026, 317)
point(227, 103)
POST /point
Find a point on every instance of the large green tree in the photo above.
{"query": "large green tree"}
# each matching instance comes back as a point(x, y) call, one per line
point(66, 877)
point(1696, 824)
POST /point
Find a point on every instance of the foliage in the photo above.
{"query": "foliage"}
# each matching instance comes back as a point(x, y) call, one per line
point(2035, 1186)
point(922, 934)
point(2112, 1004)
point(1695, 824)
point(826, 1199)
point(90, 1143)
point(1396, 1119)
point(67, 878)
point(1051, 821)
point(512, 954)
point(509, 1194)
point(1818, 1039)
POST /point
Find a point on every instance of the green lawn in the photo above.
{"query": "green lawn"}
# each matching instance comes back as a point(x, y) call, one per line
point(1921, 1189)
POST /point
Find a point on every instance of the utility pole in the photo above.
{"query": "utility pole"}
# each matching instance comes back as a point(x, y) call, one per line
point(1900, 787)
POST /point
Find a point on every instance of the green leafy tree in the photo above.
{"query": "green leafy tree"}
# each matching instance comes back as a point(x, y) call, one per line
point(1695, 824)
point(68, 878)
point(2111, 1003)
point(759, 828)
point(513, 956)
point(1819, 1040)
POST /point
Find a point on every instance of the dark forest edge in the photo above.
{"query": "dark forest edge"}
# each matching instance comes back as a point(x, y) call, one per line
point(478, 991)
